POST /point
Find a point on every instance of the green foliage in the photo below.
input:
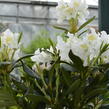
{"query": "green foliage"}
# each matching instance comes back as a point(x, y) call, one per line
point(86, 23)
point(0, 42)
point(77, 62)
point(59, 88)
point(6, 98)
point(61, 28)
point(73, 25)
point(65, 85)
point(20, 37)
point(40, 41)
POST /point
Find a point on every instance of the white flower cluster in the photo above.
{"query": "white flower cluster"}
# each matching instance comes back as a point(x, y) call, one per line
point(9, 45)
point(87, 47)
point(72, 9)
point(43, 58)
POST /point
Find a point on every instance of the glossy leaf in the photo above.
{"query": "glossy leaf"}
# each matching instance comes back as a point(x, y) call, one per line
point(20, 37)
point(37, 98)
point(94, 93)
point(86, 23)
point(0, 42)
point(24, 57)
point(6, 98)
point(4, 63)
point(77, 62)
point(29, 71)
point(61, 28)
point(66, 77)
point(73, 87)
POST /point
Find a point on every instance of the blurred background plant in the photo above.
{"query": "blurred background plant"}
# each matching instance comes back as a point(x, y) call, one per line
point(41, 40)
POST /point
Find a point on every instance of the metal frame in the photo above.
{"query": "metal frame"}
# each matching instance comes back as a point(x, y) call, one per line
point(42, 3)
point(34, 3)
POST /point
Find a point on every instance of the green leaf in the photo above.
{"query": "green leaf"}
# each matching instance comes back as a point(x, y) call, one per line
point(6, 98)
point(78, 95)
point(77, 62)
point(103, 48)
point(86, 23)
point(24, 57)
point(64, 62)
point(20, 85)
point(94, 93)
point(82, 33)
point(104, 66)
point(61, 28)
point(51, 71)
point(37, 98)
point(0, 42)
point(28, 70)
point(55, 64)
point(4, 63)
point(67, 78)
point(20, 37)
point(74, 86)
point(51, 42)
point(14, 64)
point(57, 85)
point(14, 107)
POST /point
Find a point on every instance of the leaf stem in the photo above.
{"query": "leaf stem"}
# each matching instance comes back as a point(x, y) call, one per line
point(57, 85)
point(44, 83)
point(42, 90)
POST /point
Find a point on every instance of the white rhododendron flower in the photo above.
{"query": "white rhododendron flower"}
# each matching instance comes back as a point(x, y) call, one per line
point(72, 9)
point(43, 58)
point(10, 48)
point(63, 48)
point(87, 47)
point(105, 39)
point(9, 39)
